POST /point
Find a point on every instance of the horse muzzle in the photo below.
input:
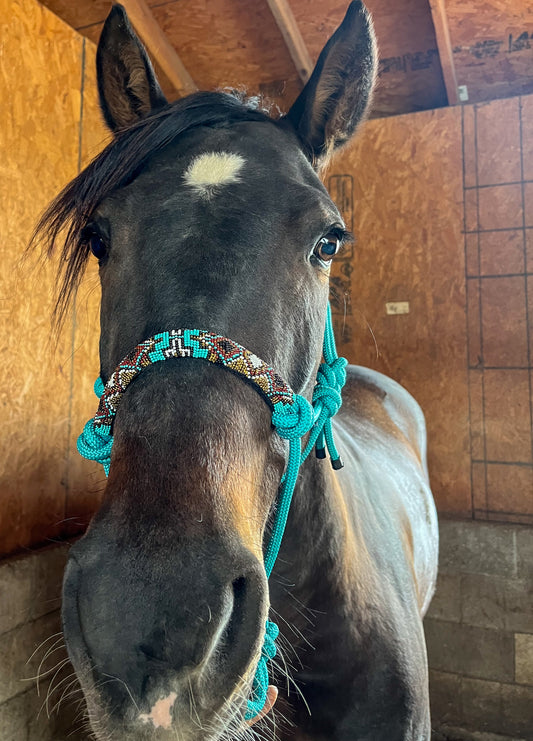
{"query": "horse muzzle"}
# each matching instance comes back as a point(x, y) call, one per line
point(165, 642)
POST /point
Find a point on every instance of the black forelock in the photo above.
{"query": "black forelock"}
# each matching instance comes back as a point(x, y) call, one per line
point(118, 164)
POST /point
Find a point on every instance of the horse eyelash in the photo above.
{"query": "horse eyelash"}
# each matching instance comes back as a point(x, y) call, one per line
point(346, 237)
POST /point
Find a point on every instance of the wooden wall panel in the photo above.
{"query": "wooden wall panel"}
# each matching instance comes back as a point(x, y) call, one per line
point(492, 44)
point(401, 188)
point(451, 233)
point(40, 76)
point(40, 92)
point(497, 140)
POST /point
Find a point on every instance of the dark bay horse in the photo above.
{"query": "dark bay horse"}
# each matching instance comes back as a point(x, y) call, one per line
point(209, 213)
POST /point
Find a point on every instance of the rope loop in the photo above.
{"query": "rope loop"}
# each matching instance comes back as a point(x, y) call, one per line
point(99, 387)
point(95, 444)
point(294, 420)
point(260, 682)
point(330, 398)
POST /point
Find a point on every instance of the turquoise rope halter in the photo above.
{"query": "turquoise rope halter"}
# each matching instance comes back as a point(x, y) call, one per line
point(292, 417)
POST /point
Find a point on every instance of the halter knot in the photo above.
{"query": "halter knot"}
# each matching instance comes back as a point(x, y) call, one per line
point(338, 366)
point(294, 420)
point(329, 382)
point(96, 444)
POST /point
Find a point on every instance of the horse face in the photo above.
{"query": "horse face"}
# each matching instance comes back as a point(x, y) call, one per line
point(203, 214)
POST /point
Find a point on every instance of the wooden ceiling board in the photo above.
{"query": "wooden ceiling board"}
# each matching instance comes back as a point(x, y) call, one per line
point(237, 43)
point(492, 43)
point(410, 76)
point(223, 44)
point(82, 13)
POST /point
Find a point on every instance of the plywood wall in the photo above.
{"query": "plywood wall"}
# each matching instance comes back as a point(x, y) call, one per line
point(492, 44)
point(44, 137)
point(442, 204)
point(403, 192)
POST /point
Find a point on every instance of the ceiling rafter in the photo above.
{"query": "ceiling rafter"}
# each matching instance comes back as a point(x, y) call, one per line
point(286, 21)
point(444, 45)
point(159, 46)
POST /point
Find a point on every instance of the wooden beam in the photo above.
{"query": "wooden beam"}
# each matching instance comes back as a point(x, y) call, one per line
point(444, 45)
point(159, 46)
point(286, 21)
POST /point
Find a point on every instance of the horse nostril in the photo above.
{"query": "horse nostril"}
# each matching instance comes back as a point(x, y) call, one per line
point(155, 646)
point(149, 654)
point(240, 592)
point(242, 622)
point(239, 589)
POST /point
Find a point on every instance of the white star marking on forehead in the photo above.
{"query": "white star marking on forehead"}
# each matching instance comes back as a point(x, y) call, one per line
point(207, 171)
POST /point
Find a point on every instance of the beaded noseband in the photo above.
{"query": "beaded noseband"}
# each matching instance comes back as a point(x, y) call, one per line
point(292, 417)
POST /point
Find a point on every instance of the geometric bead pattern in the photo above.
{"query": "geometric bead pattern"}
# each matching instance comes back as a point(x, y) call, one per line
point(191, 343)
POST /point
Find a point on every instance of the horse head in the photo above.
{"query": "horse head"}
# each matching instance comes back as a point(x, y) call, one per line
point(206, 212)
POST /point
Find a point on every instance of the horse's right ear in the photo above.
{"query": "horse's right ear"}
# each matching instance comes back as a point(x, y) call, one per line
point(127, 85)
point(337, 96)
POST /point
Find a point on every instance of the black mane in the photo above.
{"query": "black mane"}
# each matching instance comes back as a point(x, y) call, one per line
point(118, 164)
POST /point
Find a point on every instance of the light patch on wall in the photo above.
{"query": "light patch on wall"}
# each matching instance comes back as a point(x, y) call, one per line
point(208, 171)
point(397, 307)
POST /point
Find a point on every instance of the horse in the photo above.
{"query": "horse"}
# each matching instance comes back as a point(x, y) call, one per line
point(210, 212)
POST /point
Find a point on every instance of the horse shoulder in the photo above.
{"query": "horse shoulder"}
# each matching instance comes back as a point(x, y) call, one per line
point(384, 434)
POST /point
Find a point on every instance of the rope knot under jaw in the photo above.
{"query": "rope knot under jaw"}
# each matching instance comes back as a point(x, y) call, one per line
point(330, 380)
point(292, 422)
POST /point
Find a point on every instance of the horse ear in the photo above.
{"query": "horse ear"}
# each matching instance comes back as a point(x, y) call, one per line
point(127, 86)
point(337, 96)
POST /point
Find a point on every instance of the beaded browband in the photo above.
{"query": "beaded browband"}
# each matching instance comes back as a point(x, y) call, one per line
point(292, 417)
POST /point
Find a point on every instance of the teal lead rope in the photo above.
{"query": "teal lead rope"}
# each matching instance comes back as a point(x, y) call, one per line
point(292, 417)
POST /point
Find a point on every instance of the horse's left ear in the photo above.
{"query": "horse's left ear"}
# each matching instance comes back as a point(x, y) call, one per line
point(337, 95)
point(127, 86)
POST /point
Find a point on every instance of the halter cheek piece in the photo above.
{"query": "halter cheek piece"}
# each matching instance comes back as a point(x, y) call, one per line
point(292, 417)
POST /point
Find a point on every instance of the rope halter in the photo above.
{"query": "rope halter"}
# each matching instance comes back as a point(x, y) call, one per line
point(292, 417)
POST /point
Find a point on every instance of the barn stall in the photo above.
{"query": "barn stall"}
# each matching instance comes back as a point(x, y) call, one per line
point(436, 293)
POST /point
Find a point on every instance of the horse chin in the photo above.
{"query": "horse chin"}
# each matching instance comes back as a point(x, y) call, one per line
point(170, 717)
point(165, 723)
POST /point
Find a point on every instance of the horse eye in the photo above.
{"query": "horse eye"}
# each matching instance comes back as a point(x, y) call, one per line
point(95, 242)
point(97, 247)
point(327, 247)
